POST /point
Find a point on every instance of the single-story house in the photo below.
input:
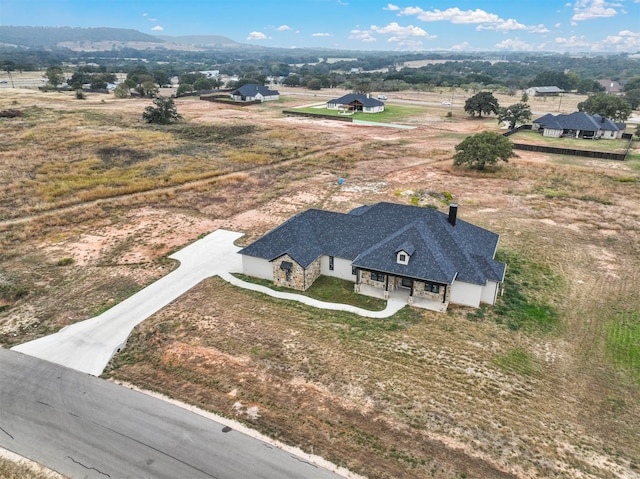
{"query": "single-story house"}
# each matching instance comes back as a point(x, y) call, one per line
point(254, 92)
point(611, 87)
point(356, 102)
point(544, 91)
point(578, 125)
point(426, 257)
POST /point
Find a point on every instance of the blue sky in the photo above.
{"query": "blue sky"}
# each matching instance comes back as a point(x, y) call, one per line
point(542, 25)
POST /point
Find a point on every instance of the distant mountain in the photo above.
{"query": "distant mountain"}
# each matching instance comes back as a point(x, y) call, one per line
point(51, 37)
point(201, 40)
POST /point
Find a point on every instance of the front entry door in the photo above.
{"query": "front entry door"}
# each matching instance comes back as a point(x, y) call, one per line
point(407, 283)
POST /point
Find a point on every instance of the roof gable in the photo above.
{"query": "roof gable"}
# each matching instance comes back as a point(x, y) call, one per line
point(252, 89)
point(372, 236)
point(356, 97)
point(578, 120)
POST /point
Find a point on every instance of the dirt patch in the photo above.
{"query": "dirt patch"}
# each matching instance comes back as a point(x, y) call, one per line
point(421, 397)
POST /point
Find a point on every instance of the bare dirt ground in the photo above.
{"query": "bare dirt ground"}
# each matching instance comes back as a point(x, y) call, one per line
point(423, 395)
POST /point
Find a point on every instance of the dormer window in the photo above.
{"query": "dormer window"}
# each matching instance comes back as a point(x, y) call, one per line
point(402, 257)
point(404, 252)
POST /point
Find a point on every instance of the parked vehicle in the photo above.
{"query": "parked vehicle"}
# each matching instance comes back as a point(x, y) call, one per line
point(382, 97)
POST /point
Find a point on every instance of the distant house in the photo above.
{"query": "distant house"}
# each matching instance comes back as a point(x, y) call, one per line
point(420, 255)
point(355, 102)
point(254, 92)
point(544, 91)
point(578, 125)
point(611, 87)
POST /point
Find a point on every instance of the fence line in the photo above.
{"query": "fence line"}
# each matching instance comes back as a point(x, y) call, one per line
point(318, 115)
point(603, 155)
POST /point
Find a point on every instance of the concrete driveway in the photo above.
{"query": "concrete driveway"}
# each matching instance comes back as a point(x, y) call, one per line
point(89, 345)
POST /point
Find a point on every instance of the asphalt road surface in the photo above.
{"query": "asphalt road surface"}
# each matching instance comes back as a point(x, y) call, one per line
point(85, 427)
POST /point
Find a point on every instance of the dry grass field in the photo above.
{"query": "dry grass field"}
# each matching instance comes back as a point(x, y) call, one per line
point(545, 384)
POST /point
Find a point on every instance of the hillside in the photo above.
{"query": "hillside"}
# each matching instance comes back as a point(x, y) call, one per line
point(51, 37)
point(201, 40)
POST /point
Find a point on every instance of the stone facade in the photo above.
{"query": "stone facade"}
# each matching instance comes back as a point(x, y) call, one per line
point(420, 292)
point(365, 278)
point(395, 282)
point(295, 277)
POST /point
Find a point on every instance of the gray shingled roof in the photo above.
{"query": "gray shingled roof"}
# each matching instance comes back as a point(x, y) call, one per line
point(252, 89)
point(371, 236)
point(351, 97)
point(578, 120)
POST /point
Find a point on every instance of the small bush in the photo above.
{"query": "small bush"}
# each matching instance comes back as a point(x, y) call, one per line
point(65, 261)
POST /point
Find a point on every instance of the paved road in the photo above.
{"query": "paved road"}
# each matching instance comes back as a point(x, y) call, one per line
point(84, 427)
point(88, 346)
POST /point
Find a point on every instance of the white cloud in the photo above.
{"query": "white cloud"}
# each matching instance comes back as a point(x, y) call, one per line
point(624, 41)
point(558, 25)
point(574, 42)
point(157, 28)
point(453, 15)
point(485, 20)
point(394, 29)
point(321, 34)
point(145, 14)
point(588, 9)
point(257, 36)
point(516, 45)
point(344, 4)
point(393, 8)
point(362, 35)
point(283, 28)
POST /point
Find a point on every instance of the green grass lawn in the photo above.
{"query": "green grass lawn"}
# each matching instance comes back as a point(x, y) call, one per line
point(326, 288)
point(391, 113)
point(535, 138)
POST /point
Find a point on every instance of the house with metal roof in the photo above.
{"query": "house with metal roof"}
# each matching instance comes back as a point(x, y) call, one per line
point(354, 102)
point(254, 92)
point(544, 91)
point(429, 258)
point(578, 125)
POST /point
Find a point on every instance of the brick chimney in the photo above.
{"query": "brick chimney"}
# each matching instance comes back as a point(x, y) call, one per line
point(453, 213)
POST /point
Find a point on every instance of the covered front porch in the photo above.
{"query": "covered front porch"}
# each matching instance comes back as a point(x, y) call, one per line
point(401, 294)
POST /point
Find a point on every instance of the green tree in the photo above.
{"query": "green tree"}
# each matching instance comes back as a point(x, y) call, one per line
point(610, 106)
point(486, 148)
point(202, 84)
point(633, 97)
point(291, 80)
point(551, 78)
point(122, 91)
point(314, 84)
point(514, 115)
point(363, 88)
point(482, 102)
point(632, 84)
point(148, 88)
point(163, 113)
point(184, 88)
point(54, 76)
point(525, 97)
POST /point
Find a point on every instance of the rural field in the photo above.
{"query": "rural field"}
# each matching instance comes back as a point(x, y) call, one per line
point(544, 384)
